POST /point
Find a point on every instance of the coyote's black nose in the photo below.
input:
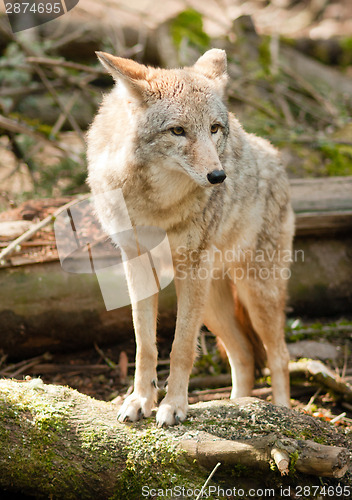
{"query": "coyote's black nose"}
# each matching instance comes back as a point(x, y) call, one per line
point(216, 176)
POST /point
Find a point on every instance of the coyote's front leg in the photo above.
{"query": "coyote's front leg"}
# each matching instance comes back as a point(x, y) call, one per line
point(191, 297)
point(143, 398)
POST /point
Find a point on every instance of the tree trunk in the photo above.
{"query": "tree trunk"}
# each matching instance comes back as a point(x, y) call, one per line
point(58, 443)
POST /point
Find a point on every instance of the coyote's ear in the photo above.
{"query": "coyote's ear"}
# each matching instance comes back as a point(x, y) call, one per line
point(131, 73)
point(212, 64)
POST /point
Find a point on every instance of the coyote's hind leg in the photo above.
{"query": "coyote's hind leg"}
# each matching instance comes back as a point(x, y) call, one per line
point(265, 302)
point(221, 321)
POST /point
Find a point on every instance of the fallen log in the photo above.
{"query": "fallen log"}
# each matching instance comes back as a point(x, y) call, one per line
point(312, 369)
point(310, 457)
point(58, 443)
point(34, 295)
point(321, 374)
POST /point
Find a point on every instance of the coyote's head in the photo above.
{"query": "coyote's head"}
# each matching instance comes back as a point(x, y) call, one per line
point(179, 119)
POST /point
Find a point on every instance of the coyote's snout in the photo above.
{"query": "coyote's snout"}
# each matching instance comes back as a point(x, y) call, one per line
point(183, 162)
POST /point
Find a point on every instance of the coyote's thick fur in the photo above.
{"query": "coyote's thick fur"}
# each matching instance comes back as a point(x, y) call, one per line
point(184, 164)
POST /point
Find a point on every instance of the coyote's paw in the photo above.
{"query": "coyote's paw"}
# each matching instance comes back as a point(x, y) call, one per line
point(136, 407)
point(171, 412)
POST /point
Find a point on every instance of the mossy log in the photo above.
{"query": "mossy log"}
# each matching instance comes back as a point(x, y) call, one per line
point(58, 443)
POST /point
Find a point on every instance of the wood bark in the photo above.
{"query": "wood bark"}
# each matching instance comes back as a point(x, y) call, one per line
point(312, 458)
point(58, 443)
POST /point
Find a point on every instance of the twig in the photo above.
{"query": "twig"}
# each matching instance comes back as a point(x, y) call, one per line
point(12, 369)
point(203, 344)
point(28, 234)
point(20, 156)
point(161, 362)
point(47, 61)
point(123, 367)
point(225, 392)
point(346, 405)
point(312, 91)
point(307, 331)
point(337, 418)
point(107, 360)
point(57, 99)
point(274, 53)
point(217, 396)
point(252, 102)
point(310, 140)
point(312, 399)
point(309, 105)
point(22, 128)
point(285, 109)
point(21, 91)
point(70, 37)
point(211, 391)
point(282, 460)
point(210, 381)
point(3, 359)
point(62, 118)
point(50, 88)
point(24, 368)
point(343, 374)
point(48, 368)
point(208, 480)
point(30, 244)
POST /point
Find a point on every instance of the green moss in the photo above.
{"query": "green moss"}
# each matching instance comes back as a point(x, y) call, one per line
point(239, 470)
point(295, 337)
point(293, 460)
point(154, 463)
point(34, 448)
point(290, 434)
point(338, 159)
point(188, 25)
point(318, 330)
point(306, 160)
point(265, 54)
point(307, 434)
point(206, 364)
point(264, 380)
point(346, 55)
point(319, 439)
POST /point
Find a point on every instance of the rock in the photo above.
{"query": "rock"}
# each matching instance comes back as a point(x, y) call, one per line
point(313, 349)
point(9, 230)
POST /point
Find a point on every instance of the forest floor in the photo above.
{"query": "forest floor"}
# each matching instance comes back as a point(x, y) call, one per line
point(106, 373)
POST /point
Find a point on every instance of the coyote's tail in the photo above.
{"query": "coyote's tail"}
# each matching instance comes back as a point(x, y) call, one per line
point(243, 318)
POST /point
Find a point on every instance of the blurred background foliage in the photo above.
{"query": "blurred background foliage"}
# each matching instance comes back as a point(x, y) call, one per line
point(290, 63)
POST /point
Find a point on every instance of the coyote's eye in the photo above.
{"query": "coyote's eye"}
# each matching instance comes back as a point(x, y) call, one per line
point(214, 128)
point(178, 131)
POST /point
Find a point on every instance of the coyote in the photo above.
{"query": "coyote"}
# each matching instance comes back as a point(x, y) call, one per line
point(185, 165)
